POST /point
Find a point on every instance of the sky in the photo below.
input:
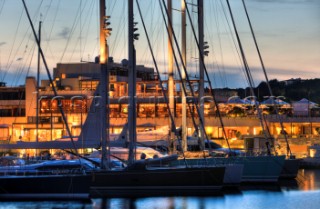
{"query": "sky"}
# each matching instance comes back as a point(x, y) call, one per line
point(287, 32)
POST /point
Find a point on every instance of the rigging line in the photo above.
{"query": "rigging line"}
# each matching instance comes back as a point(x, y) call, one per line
point(21, 95)
point(11, 50)
point(16, 52)
point(145, 57)
point(80, 31)
point(223, 75)
point(186, 74)
point(79, 39)
point(232, 37)
point(119, 30)
point(19, 70)
point(49, 75)
point(247, 71)
point(158, 35)
point(112, 8)
point(53, 24)
point(97, 13)
point(184, 86)
point(46, 14)
point(29, 67)
point(192, 47)
point(47, 11)
point(266, 76)
point(214, 57)
point(221, 69)
point(22, 68)
point(88, 27)
point(209, 82)
point(71, 33)
point(157, 69)
point(87, 21)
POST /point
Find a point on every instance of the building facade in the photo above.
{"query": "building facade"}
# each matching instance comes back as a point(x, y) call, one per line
point(76, 84)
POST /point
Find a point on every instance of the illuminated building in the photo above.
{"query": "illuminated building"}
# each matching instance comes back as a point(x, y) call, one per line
point(76, 84)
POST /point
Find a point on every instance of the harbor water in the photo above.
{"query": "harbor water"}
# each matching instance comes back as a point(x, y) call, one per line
point(304, 192)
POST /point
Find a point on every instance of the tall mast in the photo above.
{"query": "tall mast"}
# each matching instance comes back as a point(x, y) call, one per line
point(170, 73)
point(104, 86)
point(183, 76)
point(38, 81)
point(132, 85)
point(201, 68)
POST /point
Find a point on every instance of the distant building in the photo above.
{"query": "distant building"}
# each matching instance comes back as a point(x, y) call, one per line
point(292, 81)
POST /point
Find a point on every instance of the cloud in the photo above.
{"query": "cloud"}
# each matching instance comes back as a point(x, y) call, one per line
point(64, 33)
point(3, 43)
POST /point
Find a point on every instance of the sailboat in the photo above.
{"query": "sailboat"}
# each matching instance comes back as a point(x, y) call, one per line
point(137, 178)
point(255, 168)
point(291, 165)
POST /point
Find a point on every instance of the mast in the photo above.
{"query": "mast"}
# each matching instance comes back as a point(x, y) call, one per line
point(201, 69)
point(131, 84)
point(170, 74)
point(267, 80)
point(183, 76)
point(38, 81)
point(104, 90)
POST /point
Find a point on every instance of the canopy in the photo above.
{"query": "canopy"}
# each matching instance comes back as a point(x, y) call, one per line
point(235, 100)
point(304, 101)
point(272, 101)
point(250, 101)
point(303, 107)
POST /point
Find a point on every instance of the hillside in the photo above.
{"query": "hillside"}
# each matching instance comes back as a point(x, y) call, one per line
point(293, 91)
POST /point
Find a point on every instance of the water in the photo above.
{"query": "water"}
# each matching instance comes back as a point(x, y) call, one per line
point(302, 193)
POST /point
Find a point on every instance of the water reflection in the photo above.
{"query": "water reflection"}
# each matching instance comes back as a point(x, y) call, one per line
point(46, 205)
point(248, 200)
point(309, 179)
point(154, 202)
point(303, 192)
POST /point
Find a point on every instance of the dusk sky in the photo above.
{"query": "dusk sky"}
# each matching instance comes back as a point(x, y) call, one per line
point(287, 31)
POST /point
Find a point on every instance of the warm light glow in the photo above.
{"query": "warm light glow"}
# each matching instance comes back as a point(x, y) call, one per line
point(312, 152)
point(209, 130)
point(207, 106)
point(189, 131)
point(117, 130)
point(102, 55)
point(278, 130)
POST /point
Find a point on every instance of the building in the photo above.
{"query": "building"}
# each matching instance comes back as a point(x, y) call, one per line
point(76, 84)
